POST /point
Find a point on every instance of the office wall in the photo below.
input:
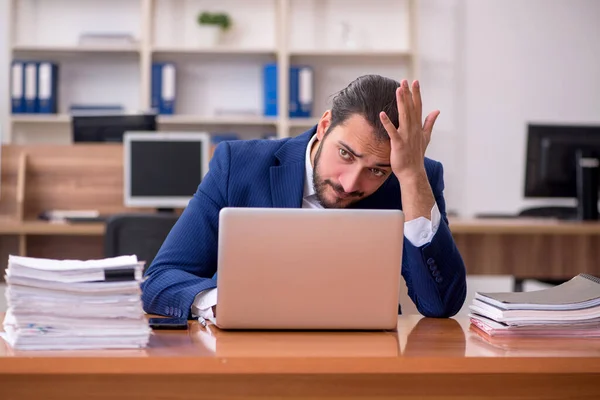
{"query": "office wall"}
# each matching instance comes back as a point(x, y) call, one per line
point(489, 66)
point(528, 60)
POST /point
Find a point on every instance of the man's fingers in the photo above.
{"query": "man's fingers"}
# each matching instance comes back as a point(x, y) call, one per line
point(416, 96)
point(389, 127)
point(408, 102)
point(428, 125)
point(402, 116)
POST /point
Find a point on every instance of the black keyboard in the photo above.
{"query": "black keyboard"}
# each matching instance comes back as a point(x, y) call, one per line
point(86, 220)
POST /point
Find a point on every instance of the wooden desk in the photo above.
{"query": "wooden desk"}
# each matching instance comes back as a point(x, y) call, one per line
point(528, 248)
point(42, 228)
point(522, 226)
point(90, 176)
point(524, 248)
point(50, 240)
point(425, 359)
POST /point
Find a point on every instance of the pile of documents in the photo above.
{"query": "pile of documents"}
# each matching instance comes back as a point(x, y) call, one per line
point(72, 304)
point(569, 309)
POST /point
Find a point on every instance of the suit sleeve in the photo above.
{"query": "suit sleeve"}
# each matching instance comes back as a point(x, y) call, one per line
point(435, 273)
point(186, 263)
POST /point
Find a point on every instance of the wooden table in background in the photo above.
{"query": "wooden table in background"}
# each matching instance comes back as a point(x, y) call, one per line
point(524, 248)
point(528, 248)
point(425, 359)
point(38, 178)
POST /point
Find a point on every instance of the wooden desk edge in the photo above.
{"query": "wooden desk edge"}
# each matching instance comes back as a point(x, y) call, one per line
point(457, 226)
point(283, 366)
point(11, 227)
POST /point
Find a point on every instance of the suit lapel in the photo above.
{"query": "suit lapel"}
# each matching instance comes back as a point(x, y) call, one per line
point(287, 178)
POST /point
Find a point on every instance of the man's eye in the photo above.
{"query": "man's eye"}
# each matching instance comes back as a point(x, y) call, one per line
point(344, 154)
point(377, 172)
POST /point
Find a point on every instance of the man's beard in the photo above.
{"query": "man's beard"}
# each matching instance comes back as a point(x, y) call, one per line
point(321, 185)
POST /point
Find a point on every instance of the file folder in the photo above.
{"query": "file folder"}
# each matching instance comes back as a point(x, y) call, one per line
point(294, 105)
point(270, 90)
point(305, 92)
point(31, 87)
point(17, 87)
point(163, 88)
point(156, 87)
point(301, 91)
point(47, 88)
point(168, 78)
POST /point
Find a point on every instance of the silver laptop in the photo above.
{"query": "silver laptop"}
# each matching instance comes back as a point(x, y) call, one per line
point(309, 268)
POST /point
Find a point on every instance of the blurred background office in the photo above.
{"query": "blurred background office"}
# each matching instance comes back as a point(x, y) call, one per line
point(501, 72)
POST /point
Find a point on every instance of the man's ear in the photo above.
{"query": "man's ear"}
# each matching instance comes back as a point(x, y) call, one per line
point(323, 124)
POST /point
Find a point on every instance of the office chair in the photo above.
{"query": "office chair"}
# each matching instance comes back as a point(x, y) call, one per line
point(139, 234)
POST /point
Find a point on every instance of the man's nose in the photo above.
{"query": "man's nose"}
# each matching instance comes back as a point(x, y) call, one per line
point(350, 181)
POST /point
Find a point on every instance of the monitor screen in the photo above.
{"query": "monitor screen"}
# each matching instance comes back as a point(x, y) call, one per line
point(109, 128)
point(163, 170)
point(550, 168)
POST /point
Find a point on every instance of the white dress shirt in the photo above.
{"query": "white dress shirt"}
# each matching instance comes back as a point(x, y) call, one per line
point(418, 231)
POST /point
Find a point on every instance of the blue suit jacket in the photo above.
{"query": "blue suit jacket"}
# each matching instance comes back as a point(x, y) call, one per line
point(270, 173)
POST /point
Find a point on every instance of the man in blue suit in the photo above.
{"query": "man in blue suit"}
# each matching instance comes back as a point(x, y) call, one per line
point(368, 151)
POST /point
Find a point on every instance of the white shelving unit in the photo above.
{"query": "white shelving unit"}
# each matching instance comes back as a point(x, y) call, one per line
point(341, 39)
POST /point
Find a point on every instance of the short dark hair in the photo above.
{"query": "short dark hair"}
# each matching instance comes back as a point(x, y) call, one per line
point(367, 96)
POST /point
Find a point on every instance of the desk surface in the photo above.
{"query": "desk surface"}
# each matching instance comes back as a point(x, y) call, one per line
point(452, 343)
point(424, 358)
point(458, 226)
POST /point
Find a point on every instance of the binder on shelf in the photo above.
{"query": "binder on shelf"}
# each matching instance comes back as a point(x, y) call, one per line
point(294, 87)
point(168, 89)
point(270, 89)
point(155, 89)
point(305, 92)
point(17, 87)
point(31, 87)
point(47, 88)
point(301, 93)
point(163, 88)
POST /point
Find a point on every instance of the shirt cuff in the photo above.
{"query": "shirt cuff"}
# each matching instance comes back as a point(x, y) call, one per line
point(420, 231)
point(203, 304)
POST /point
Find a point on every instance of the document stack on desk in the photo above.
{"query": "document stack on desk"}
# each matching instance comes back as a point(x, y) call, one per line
point(72, 304)
point(566, 310)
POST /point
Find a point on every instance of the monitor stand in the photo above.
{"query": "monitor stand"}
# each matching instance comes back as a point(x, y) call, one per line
point(587, 166)
point(559, 212)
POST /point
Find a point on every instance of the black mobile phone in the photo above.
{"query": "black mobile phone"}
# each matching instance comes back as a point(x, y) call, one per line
point(168, 323)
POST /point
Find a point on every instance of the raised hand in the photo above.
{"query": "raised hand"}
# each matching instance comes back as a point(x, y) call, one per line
point(410, 140)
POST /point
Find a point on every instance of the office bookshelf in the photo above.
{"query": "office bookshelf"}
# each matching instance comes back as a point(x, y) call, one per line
point(380, 37)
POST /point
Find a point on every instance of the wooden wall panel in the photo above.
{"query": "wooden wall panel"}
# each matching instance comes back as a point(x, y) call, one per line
point(75, 177)
point(66, 247)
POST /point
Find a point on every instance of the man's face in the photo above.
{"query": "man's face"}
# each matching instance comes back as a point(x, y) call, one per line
point(349, 164)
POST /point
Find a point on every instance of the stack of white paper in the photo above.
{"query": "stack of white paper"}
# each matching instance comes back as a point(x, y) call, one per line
point(569, 309)
point(73, 304)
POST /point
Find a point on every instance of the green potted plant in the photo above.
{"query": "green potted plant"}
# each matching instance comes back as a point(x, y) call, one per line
point(212, 25)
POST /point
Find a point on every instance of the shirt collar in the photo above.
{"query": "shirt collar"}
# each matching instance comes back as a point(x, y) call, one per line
point(309, 189)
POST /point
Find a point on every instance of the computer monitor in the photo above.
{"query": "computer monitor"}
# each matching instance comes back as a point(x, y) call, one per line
point(163, 169)
point(109, 128)
point(563, 161)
